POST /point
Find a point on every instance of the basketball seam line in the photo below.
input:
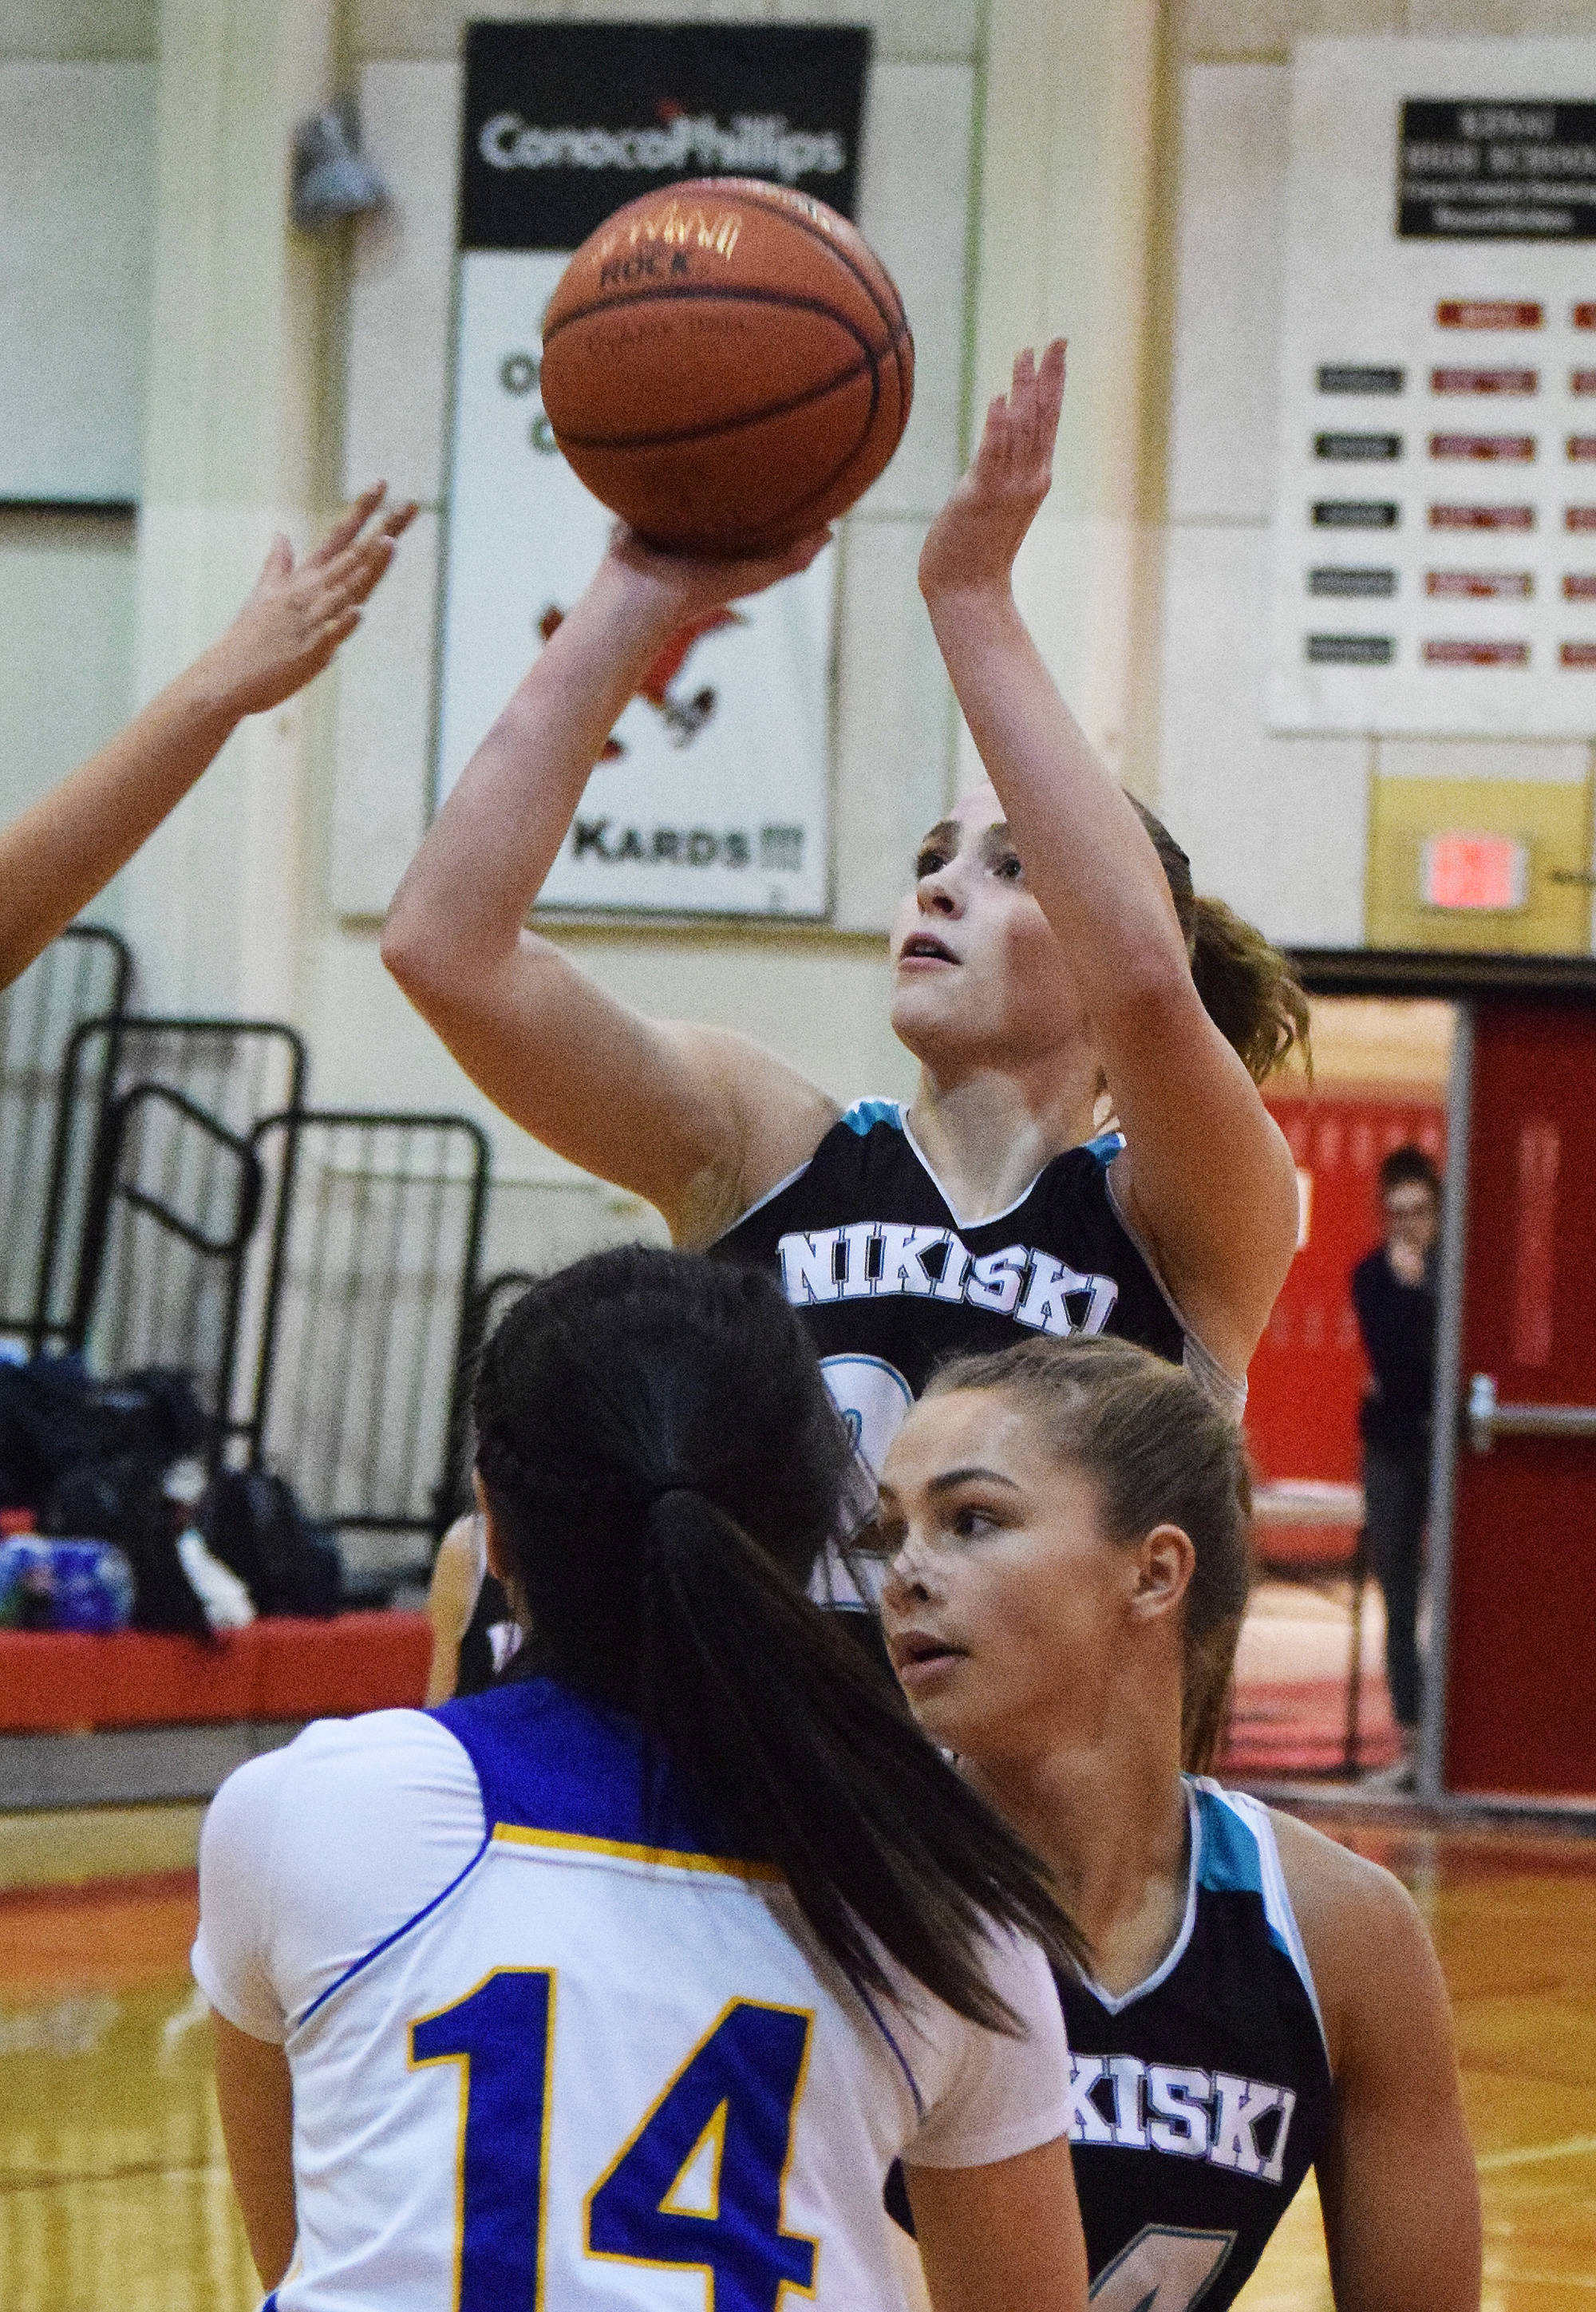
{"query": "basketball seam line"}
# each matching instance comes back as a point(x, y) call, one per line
point(896, 326)
point(869, 364)
point(721, 424)
point(775, 207)
point(781, 300)
point(766, 197)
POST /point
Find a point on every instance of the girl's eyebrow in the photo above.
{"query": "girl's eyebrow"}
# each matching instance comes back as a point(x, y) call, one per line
point(949, 1479)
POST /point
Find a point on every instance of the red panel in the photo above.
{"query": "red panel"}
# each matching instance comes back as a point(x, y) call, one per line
point(65, 1680)
point(57, 1683)
point(1521, 1715)
point(331, 1670)
point(1308, 1374)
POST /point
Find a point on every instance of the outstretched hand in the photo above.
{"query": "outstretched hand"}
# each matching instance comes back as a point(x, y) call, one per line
point(973, 541)
point(297, 615)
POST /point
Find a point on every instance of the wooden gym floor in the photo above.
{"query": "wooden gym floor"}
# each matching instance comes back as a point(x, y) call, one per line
point(114, 2196)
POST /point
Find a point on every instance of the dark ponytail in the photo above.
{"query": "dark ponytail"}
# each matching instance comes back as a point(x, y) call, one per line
point(1247, 986)
point(664, 1466)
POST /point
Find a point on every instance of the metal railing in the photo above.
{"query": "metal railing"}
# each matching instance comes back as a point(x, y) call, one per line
point(172, 1211)
point(233, 1071)
point(366, 1287)
point(87, 973)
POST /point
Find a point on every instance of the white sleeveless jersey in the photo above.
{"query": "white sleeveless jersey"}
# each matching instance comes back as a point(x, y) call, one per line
point(603, 2065)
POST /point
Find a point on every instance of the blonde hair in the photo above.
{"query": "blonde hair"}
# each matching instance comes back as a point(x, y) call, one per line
point(1160, 1452)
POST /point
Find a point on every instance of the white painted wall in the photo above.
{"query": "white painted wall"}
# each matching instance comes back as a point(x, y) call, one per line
point(1276, 826)
point(76, 168)
point(67, 589)
point(1147, 587)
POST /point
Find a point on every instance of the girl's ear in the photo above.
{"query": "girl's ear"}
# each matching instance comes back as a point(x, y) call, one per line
point(496, 1559)
point(1165, 1563)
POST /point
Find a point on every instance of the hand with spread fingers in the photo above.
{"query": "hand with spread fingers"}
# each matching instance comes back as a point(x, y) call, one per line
point(298, 614)
point(67, 846)
point(973, 541)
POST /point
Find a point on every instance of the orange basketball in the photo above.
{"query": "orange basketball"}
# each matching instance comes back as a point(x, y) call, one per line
point(727, 365)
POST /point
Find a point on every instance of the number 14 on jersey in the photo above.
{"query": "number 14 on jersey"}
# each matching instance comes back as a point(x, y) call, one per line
point(697, 2186)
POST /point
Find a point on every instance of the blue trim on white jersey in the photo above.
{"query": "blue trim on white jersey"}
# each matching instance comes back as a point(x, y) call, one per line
point(903, 2065)
point(866, 1113)
point(397, 1935)
point(1241, 1854)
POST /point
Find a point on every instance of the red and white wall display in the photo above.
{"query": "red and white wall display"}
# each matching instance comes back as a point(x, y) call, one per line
point(713, 794)
point(1435, 499)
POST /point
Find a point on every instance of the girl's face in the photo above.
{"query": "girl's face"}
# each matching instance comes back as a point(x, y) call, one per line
point(1005, 1605)
point(977, 970)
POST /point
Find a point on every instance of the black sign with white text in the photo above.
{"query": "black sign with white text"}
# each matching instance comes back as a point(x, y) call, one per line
point(565, 123)
point(1482, 168)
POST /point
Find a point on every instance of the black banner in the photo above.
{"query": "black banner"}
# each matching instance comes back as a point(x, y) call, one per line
point(1481, 169)
point(565, 123)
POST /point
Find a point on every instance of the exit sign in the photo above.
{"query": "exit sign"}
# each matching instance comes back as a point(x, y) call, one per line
point(1477, 873)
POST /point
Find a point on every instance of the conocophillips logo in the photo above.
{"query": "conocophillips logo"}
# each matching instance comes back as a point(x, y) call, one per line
point(756, 144)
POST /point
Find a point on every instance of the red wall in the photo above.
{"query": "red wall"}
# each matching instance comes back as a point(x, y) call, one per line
point(1308, 1373)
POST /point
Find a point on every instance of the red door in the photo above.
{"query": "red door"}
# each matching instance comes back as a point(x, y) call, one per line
point(1520, 1692)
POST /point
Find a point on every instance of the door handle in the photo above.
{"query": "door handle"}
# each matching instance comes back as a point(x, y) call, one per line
point(1488, 1419)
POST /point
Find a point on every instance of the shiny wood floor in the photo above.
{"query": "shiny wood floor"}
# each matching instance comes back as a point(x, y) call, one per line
point(1514, 1921)
point(114, 2197)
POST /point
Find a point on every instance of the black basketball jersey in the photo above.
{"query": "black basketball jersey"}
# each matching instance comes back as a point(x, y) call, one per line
point(1200, 2099)
point(890, 1283)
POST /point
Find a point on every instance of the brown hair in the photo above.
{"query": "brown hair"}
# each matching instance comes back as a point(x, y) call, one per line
point(1160, 1452)
point(1247, 986)
point(1407, 1166)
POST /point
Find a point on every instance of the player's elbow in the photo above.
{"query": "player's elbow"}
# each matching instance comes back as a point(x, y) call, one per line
point(416, 950)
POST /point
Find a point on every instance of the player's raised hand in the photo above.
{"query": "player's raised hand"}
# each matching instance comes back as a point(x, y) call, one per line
point(973, 541)
point(297, 615)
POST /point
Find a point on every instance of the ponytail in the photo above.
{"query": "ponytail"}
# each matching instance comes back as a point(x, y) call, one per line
point(665, 1466)
point(813, 1764)
point(1248, 988)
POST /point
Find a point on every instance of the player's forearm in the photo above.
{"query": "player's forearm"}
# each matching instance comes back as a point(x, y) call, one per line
point(1086, 856)
point(465, 894)
point(60, 854)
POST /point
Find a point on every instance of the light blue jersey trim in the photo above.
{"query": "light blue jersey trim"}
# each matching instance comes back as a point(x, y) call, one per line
point(865, 1114)
point(388, 1941)
point(1239, 1853)
point(1105, 1147)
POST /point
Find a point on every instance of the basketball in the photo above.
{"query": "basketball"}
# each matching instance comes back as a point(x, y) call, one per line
point(727, 365)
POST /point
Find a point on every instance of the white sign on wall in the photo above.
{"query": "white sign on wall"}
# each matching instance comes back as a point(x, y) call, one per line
point(715, 798)
point(714, 795)
point(1435, 501)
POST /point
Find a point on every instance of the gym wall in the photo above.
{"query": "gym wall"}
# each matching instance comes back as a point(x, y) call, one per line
point(1113, 171)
